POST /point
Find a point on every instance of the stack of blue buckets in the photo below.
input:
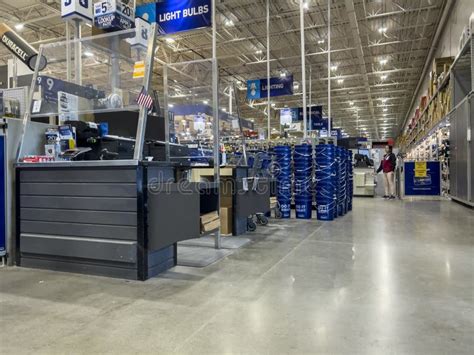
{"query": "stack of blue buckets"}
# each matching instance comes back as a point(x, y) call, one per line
point(283, 177)
point(350, 180)
point(326, 181)
point(303, 178)
point(341, 158)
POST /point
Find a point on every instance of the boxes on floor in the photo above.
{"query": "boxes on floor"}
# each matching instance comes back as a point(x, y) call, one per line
point(226, 220)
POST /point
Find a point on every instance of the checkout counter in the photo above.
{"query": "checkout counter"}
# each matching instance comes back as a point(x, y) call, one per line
point(95, 198)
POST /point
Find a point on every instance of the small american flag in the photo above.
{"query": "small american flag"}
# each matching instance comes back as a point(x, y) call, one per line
point(144, 99)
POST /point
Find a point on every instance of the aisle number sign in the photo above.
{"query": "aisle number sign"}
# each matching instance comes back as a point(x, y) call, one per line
point(114, 14)
point(420, 169)
point(77, 9)
point(173, 16)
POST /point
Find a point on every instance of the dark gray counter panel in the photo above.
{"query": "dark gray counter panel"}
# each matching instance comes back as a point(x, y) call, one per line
point(80, 203)
point(79, 247)
point(74, 219)
point(81, 189)
point(173, 215)
point(115, 218)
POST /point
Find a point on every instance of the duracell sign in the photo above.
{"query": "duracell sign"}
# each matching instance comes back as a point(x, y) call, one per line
point(20, 48)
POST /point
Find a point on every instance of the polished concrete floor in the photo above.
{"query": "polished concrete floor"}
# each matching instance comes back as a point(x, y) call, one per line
point(389, 278)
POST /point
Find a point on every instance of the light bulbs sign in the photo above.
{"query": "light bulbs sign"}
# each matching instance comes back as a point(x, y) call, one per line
point(257, 89)
point(173, 16)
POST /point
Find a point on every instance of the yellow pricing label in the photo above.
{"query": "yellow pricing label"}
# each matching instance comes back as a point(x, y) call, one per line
point(420, 169)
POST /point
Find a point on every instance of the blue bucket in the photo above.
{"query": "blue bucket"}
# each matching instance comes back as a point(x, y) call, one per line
point(285, 208)
point(303, 207)
point(325, 212)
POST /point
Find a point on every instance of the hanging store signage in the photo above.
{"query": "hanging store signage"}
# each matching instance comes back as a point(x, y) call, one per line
point(173, 16)
point(281, 86)
point(77, 9)
point(114, 14)
point(142, 33)
point(50, 87)
point(316, 121)
point(428, 185)
point(20, 48)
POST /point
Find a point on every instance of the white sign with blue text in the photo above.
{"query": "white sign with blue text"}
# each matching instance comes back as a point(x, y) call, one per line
point(77, 9)
point(114, 14)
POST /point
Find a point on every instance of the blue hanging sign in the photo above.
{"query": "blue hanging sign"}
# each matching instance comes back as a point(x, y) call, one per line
point(173, 16)
point(257, 89)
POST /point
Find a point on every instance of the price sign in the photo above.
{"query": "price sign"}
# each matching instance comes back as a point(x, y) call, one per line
point(420, 169)
point(114, 14)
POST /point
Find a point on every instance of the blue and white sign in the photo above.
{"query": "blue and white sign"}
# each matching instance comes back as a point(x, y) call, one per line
point(77, 9)
point(142, 33)
point(429, 185)
point(257, 89)
point(50, 87)
point(114, 14)
point(173, 16)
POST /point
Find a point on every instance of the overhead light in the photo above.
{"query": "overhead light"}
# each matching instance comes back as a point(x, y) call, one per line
point(224, 109)
point(205, 102)
point(252, 120)
point(385, 109)
point(238, 82)
point(170, 40)
point(334, 67)
point(383, 77)
point(321, 41)
point(340, 81)
point(296, 86)
point(305, 5)
point(170, 105)
point(273, 104)
point(382, 29)
point(351, 103)
point(229, 23)
point(383, 61)
point(88, 54)
point(88, 24)
point(19, 26)
point(384, 100)
point(282, 74)
point(259, 51)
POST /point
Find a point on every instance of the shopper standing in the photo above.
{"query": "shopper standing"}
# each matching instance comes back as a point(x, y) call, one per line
point(388, 165)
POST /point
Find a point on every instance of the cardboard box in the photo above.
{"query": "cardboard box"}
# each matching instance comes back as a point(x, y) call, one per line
point(226, 220)
point(209, 221)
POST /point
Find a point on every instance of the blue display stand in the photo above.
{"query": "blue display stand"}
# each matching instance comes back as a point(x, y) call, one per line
point(429, 185)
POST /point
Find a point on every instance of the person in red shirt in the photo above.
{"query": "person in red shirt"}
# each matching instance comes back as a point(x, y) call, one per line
point(388, 165)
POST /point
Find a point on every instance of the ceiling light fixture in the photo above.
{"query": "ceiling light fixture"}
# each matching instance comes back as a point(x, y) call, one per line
point(382, 29)
point(305, 5)
point(351, 103)
point(383, 61)
point(19, 26)
point(340, 81)
point(385, 109)
point(170, 40)
point(383, 77)
point(321, 41)
point(88, 54)
point(229, 23)
point(205, 102)
point(258, 51)
point(334, 67)
point(282, 74)
point(170, 105)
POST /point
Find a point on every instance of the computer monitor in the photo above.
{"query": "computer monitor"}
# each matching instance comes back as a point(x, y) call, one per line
point(365, 152)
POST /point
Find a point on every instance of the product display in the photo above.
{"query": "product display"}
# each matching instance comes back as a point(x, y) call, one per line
point(283, 178)
point(303, 178)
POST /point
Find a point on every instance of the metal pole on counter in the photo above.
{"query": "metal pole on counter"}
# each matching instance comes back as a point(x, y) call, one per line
point(269, 108)
point(68, 52)
point(143, 113)
point(215, 105)
point(329, 68)
point(303, 69)
point(77, 52)
point(166, 113)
